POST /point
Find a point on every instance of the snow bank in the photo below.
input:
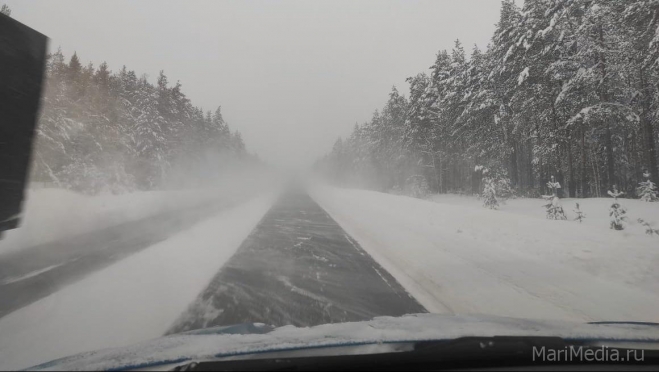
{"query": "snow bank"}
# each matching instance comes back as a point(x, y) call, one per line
point(456, 257)
point(596, 210)
point(628, 256)
point(133, 300)
point(52, 214)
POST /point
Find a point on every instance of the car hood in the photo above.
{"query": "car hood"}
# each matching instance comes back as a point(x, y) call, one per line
point(374, 336)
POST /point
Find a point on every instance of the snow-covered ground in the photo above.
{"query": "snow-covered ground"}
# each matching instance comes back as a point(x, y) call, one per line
point(133, 300)
point(452, 255)
point(51, 213)
point(456, 257)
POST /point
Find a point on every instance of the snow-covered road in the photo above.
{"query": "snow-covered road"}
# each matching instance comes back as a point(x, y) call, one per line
point(135, 299)
point(32, 273)
point(298, 267)
point(459, 259)
point(350, 255)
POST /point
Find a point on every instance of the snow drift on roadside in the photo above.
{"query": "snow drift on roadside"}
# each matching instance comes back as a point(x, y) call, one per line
point(133, 300)
point(51, 214)
point(596, 210)
point(464, 259)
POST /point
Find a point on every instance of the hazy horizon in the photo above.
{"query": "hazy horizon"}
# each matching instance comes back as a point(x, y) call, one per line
point(291, 76)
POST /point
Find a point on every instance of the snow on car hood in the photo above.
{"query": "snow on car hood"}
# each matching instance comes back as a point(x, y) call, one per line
point(248, 339)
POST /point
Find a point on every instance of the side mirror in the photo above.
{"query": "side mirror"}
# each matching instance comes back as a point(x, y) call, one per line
point(22, 63)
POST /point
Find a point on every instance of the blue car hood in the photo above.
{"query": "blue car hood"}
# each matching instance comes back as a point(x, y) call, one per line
point(378, 335)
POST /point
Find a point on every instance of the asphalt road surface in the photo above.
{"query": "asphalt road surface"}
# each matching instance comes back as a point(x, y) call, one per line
point(297, 267)
point(33, 273)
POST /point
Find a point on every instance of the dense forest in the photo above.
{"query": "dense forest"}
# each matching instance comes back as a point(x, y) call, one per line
point(101, 131)
point(566, 88)
point(117, 132)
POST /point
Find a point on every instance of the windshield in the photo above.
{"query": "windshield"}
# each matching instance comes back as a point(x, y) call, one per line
point(299, 163)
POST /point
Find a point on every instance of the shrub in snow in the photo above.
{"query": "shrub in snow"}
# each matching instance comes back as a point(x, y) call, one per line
point(496, 185)
point(648, 228)
point(417, 186)
point(553, 206)
point(617, 212)
point(504, 190)
point(489, 194)
point(647, 190)
point(580, 214)
point(396, 190)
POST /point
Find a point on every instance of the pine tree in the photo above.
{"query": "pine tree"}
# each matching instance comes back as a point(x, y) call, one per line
point(640, 22)
point(74, 67)
point(102, 76)
point(489, 191)
point(566, 87)
point(647, 190)
point(554, 207)
point(56, 67)
point(101, 131)
point(617, 212)
point(238, 144)
point(419, 131)
point(220, 127)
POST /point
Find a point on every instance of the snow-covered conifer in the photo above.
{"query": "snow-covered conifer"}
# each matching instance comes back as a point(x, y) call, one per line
point(553, 206)
point(5, 10)
point(102, 131)
point(489, 193)
point(617, 212)
point(647, 190)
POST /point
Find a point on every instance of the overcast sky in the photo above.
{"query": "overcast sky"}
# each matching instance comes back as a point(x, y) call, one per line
point(291, 76)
